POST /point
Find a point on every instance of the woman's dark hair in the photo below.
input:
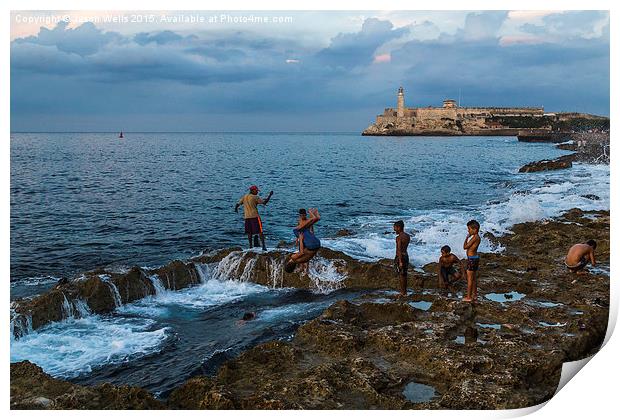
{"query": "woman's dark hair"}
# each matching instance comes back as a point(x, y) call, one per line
point(592, 243)
point(290, 266)
point(446, 249)
point(302, 211)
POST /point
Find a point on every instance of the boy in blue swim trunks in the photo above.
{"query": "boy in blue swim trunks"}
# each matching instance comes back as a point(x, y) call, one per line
point(450, 268)
point(309, 244)
point(472, 241)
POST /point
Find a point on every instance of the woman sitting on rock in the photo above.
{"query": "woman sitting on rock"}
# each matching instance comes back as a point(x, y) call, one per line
point(309, 244)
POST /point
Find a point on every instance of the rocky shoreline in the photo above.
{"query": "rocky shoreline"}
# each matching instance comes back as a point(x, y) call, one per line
point(588, 148)
point(375, 351)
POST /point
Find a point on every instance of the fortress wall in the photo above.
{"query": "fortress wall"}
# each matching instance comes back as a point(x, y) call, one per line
point(502, 111)
point(435, 113)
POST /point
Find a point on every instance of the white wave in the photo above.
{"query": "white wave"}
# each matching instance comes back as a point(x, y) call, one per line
point(76, 346)
point(36, 281)
point(211, 293)
point(533, 196)
point(326, 275)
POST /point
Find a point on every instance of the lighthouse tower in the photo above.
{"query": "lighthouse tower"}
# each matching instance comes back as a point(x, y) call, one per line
point(400, 103)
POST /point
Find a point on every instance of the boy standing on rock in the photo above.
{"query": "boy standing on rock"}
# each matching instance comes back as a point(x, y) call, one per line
point(472, 241)
point(401, 261)
point(253, 224)
point(579, 255)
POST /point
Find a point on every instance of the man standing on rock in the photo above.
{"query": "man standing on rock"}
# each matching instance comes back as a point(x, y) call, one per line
point(253, 224)
point(401, 261)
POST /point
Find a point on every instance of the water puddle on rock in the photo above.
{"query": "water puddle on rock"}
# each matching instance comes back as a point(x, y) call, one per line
point(599, 270)
point(460, 339)
point(547, 324)
point(546, 304)
point(381, 300)
point(422, 305)
point(505, 297)
point(418, 393)
point(493, 326)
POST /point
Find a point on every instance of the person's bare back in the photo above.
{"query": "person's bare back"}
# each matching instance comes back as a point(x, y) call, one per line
point(401, 260)
point(579, 255)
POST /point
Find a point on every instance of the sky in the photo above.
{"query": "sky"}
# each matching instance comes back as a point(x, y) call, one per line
point(295, 71)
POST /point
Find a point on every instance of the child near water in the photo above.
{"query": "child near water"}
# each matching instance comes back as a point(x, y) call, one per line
point(472, 241)
point(579, 255)
point(401, 259)
point(308, 243)
point(450, 268)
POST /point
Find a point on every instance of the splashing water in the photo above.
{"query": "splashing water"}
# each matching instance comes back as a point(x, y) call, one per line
point(115, 294)
point(326, 275)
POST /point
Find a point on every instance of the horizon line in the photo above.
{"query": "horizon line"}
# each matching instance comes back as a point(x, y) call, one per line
point(184, 132)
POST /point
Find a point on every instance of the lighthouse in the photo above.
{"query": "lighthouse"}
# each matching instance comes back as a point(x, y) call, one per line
point(400, 103)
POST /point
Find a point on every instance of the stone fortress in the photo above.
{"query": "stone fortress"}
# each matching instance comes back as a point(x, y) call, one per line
point(454, 120)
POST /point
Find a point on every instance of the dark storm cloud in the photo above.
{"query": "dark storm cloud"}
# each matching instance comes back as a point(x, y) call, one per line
point(79, 78)
point(357, 49)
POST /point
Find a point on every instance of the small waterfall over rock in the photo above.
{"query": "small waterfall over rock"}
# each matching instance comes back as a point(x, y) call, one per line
point(81, 308)
point(66, 308)
point(326, 275)
point(275, 271)
point(115, 294)
point(228, 267)
point(21, 324)
point(158, 285)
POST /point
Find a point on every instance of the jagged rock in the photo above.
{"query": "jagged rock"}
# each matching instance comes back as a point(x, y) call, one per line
point(178, 275)
point(361, 354)
point(31, 388)
point(563, 162)
point(344, 232)
point(133, 285)
point(199, 393)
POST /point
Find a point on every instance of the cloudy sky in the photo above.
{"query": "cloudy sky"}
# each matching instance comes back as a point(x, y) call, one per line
point(297, 71)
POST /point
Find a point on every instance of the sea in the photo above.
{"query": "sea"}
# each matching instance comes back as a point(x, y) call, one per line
point(81, 201)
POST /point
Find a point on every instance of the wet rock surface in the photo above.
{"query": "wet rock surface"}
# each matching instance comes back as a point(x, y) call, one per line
point(31, 388)
point(562, 162)
point(506, 351)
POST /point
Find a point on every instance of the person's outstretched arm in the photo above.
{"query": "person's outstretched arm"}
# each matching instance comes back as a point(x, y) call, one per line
point(592, 260)
point(266, 200)
point(238, 204)
point(314, 217)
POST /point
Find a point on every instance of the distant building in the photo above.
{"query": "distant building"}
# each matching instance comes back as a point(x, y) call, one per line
point(451, 110)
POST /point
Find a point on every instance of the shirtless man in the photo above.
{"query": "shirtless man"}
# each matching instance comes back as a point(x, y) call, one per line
point(579, 255)
point(472, 241)
point(450, 268)
point(401, 260)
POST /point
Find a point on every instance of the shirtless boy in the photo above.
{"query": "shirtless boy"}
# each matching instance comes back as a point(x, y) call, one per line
point(579, 255)
point(450, 268)
point(401, 260)
point(472, 241)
